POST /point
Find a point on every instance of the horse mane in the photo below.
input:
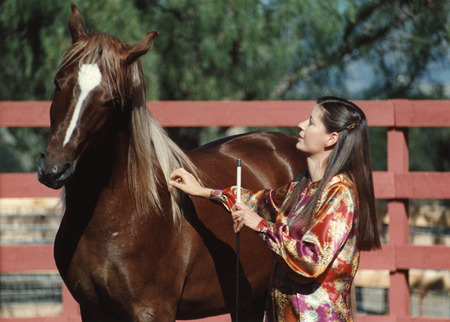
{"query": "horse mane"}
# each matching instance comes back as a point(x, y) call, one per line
point(146, 160)
point(152, 155)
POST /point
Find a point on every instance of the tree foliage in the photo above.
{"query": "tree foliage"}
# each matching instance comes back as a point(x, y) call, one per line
point(243, 49)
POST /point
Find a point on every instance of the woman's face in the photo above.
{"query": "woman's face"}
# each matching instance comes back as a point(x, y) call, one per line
point(313, 135)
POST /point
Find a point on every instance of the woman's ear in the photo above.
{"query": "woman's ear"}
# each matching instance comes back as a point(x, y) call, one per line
point(332, 139)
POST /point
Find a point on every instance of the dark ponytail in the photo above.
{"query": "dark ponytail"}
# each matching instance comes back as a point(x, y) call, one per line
point(350, 155)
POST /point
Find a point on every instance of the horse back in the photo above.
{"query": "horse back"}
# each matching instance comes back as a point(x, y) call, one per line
point(269, 160)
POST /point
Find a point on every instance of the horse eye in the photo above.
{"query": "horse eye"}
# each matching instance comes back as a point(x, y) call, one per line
point(114, 103)
point(55, 82)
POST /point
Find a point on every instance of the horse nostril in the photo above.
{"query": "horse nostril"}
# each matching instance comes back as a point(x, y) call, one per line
point(59, 170)
point(51, 174)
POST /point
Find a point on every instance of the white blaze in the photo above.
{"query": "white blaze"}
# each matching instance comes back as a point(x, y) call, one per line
point(89, 77)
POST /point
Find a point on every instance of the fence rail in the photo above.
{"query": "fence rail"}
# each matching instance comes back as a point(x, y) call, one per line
point(397, 184)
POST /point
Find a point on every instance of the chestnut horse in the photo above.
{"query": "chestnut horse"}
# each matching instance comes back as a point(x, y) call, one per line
point(130, 247)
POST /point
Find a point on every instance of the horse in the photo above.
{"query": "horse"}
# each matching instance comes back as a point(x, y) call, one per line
point(129, 246)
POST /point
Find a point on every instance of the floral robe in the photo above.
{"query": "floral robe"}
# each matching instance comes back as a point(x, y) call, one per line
point(314, 267)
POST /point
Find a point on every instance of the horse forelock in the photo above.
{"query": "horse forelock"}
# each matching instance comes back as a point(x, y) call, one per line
point(107, 52)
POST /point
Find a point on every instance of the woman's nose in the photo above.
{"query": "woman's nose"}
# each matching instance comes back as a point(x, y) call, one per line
point(301, 125)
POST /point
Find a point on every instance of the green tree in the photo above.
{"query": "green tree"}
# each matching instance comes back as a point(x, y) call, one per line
point(243, 50)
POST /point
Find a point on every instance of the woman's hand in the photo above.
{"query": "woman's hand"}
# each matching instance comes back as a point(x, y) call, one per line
point(186, 182)
point(243, 215)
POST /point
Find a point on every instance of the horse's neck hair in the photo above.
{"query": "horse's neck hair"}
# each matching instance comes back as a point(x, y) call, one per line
point(152, 158)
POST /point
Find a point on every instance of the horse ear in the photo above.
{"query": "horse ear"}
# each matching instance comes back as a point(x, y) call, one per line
point(76, 24)
point(137, 50)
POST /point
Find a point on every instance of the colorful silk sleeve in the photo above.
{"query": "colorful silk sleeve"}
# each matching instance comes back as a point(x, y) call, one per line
point(266, 203)
point(309, 254)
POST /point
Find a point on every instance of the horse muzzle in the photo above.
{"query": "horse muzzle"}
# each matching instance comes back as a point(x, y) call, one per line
point(52, 173)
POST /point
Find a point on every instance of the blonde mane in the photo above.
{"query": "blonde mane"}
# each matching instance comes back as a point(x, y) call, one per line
point(152, 155)
point(151, 152)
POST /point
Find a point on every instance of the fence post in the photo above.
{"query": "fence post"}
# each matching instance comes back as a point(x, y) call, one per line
point(398, 162)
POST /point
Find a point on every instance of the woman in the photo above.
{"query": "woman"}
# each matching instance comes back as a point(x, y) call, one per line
point(317, 224)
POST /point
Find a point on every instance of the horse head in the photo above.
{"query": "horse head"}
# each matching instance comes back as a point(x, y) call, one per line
point(96, 85)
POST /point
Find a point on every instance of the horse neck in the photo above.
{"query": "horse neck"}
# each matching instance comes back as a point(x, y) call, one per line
point(98, 168)
point(100, 177)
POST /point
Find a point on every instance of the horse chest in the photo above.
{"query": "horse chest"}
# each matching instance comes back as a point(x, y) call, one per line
point(91, 237)
point(120, 268)
point(97, 268)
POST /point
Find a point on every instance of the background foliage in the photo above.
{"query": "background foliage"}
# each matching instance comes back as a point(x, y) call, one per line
point(243, 50)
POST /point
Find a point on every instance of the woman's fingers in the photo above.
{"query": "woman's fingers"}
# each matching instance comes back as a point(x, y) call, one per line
point(239, 206)
point(238, 226)
point(186, 182)
point(243, 215)
point(238, 220)
point(238, 215)
point(183, 180)
point(179, 174)
point(176, 178)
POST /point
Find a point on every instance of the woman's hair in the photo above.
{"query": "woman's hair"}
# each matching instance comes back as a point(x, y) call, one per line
point(350, 155)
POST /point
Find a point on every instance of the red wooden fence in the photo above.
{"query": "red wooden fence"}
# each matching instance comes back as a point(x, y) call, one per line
point(397, 184)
